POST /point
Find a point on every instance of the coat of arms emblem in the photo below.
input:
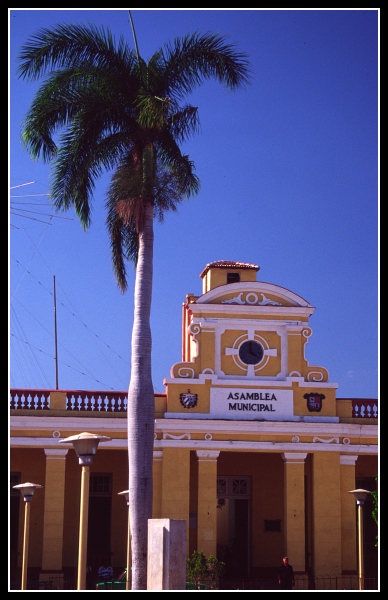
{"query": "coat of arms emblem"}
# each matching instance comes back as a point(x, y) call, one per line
point(314, 401)
point(188, 400)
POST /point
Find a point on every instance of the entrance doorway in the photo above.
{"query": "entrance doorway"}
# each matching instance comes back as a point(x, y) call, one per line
point(99, 525)
point(233, 525)
point(14, 517)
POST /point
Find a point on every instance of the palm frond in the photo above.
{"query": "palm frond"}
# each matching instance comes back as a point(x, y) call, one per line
point(171, 157)
point(64, 46)
point(124, 243)
point(191, 60)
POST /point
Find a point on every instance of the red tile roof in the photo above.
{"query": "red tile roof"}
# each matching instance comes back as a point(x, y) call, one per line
point(228, 264)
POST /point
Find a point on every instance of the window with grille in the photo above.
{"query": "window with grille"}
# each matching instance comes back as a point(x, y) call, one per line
point(99, 519)
point(233, 487)
point(100, 484)
point(14, 519)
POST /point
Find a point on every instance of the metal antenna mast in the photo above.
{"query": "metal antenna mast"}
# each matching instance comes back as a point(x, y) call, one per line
point(55, 336)
point(134, 37)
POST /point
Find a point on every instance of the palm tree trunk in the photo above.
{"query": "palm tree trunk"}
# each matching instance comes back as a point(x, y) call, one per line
point(141, 411)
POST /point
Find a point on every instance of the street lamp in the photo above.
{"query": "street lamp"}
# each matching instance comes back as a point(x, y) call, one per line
point(27, 490)
point(126, 494)
point(85, 446)
point(360, 496)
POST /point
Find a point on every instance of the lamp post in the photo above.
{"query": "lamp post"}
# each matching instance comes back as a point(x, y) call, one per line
point(360, 496)
point(85, 446)
point(27, 490)
point(126, 494)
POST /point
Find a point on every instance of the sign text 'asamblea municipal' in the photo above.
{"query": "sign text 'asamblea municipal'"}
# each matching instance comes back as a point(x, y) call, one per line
point(245, 403)
point(256, 405)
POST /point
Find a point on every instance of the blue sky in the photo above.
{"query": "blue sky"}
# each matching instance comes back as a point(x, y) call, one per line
point(289, 171)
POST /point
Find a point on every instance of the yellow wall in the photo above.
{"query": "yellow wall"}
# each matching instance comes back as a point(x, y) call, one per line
point(175, 485)
point(31, 465)
point(348, 517)
point(53, 509)
point(326, 513)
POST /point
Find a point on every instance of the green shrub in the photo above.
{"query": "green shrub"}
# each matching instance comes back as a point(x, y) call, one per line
point(375, 510)
point(203, 571)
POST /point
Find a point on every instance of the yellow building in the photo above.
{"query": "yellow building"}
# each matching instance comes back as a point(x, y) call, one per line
point(252, 449)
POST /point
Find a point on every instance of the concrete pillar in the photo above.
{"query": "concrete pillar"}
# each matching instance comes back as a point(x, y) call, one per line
point(166, 561)
point(207, 502)
point(294, 509)
point(348, 514)
point(54, 504)
point(326, 514)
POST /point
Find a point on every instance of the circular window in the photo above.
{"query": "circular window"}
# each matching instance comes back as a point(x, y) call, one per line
point(251, 352)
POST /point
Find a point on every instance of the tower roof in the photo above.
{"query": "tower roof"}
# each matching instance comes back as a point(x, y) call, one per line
point(228, 264)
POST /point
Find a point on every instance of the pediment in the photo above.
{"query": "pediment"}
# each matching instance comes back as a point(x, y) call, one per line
point(252, 294)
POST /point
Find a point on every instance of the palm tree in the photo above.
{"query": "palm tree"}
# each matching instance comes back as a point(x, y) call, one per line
point(101, 107)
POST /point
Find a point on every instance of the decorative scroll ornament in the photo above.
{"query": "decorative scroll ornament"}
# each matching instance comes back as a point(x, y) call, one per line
point(314, 401)
point(171, 436)
point(188, 400)
point(252, 299)
point(314, 376)
point(186, 372)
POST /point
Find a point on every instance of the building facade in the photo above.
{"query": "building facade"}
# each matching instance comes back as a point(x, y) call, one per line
point(252, 448)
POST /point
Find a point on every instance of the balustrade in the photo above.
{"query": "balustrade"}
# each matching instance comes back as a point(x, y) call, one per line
point(116, 402)
point(75, 400)
point(364, 409)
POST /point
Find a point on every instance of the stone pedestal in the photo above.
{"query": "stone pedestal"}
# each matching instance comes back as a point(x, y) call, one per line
point(166, 567)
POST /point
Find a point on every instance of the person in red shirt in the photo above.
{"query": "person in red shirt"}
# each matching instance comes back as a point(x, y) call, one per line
point(286, 575)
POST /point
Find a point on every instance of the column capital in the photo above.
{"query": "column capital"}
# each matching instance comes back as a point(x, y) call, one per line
point(294, 457)
point(55, 452)
point(208, 455)
point(348, 459)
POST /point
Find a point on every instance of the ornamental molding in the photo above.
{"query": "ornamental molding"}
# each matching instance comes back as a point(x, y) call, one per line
point(250, 310)
point(255, 288)
point(171, 436)
point(326, 440)
point(218, 445)
point(251, 299)
point(117, 428)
